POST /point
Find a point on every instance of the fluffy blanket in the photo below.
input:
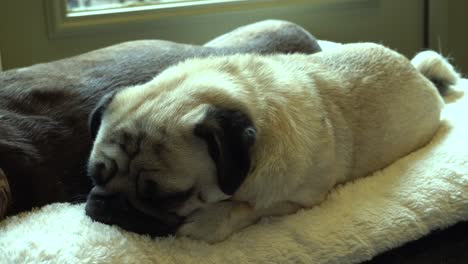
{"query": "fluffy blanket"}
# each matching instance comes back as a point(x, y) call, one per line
point(421, 192)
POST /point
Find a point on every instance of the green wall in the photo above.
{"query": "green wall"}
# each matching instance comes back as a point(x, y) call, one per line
point(457, 33)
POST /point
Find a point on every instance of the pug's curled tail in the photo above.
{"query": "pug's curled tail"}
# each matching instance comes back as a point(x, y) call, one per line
point(437, 69)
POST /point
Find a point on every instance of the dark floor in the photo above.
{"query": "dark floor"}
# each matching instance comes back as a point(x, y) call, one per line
point(449, 246)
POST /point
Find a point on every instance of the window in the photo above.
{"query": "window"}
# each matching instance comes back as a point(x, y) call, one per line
point(67, 18)
point(88, 5)
point(184, 20)
point(98, 7)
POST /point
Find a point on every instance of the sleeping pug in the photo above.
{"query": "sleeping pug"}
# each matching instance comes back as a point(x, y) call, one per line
point(211, 145)
point(44, 108)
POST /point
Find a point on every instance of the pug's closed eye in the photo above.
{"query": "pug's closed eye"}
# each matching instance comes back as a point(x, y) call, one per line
point(128, 144)
point(150, 192)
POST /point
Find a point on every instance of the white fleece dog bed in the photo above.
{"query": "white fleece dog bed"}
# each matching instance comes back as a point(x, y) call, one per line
point(423, 191)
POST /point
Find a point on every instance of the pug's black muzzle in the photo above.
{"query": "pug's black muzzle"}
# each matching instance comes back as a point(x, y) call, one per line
point(115, 209)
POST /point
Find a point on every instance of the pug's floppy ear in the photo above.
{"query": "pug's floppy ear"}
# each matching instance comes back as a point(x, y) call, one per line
point(95, 118)
point(229, 134)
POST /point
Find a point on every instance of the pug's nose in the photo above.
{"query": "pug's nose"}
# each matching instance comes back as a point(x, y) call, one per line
point(102, 172)
point(110, 200)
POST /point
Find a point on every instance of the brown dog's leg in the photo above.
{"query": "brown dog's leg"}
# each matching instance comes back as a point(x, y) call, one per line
point(5, 195)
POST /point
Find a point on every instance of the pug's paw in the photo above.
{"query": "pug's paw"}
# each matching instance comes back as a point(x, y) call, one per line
point(210, 224)
point(213, 223)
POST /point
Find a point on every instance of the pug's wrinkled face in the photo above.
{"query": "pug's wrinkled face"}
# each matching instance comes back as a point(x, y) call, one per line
point(158, 158)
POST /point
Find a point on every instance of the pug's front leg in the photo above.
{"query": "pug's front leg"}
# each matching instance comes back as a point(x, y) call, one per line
point(218, 221)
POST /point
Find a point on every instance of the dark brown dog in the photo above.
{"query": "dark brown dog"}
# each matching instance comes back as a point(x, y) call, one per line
point(44, 139)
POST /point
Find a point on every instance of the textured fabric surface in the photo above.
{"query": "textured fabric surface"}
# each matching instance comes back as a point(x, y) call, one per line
point(424, 191)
